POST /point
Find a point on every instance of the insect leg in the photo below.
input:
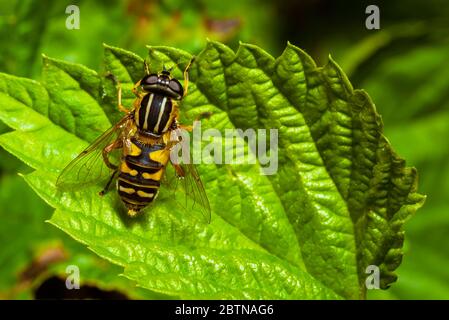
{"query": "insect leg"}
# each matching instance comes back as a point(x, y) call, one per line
point(105, 189)
point(186, 76)
point(185, 127)
point(119, 92)
point(136, 91)
point(119, 98)
point(180, 173)
point(176, 125)
point(115, 145)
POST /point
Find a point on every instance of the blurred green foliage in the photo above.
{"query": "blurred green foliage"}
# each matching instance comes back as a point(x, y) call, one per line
point(402, 66)
point(34, 27)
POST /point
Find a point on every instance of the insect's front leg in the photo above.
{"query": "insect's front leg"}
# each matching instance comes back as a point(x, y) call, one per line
point(119, 98)
point(119, 92)
point(136, 90)
point(117, 144)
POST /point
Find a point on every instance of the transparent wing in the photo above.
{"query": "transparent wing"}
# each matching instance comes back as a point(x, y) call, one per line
point(88, 167)
point(195, 189)
point(188, 190)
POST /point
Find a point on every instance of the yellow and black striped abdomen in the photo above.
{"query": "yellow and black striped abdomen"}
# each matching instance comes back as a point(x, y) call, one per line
point(140, 173)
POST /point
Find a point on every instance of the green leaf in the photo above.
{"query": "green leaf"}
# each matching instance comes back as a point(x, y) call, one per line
point(336, 204)
point(19, 272)
point(416, 111)
point(423, 274)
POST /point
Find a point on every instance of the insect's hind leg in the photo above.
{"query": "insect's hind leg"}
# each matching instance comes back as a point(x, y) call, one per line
point(180, 173)
point(115, 145)
point(108, 149)
point(106, 188)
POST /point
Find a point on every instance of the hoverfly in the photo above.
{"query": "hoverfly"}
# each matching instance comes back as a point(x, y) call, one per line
point(142, 138)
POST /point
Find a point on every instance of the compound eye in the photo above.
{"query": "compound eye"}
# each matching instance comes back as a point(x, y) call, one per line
point(176, 86)
point(149, 80)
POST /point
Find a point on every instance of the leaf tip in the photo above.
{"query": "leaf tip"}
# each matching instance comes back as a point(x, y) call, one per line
point(211, 43)
point(304, 57)
point(45, 58)
point(107, 46)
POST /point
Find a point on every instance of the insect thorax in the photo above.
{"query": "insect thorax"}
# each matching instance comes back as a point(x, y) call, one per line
point(155, 113)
